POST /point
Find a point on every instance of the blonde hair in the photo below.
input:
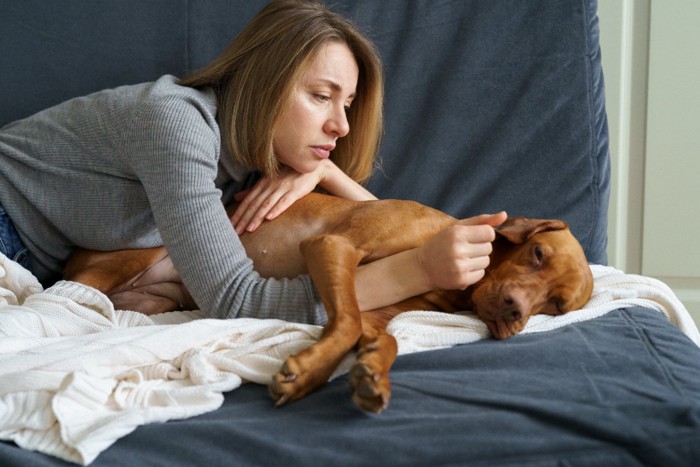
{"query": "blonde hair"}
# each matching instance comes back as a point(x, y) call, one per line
point(254, 78)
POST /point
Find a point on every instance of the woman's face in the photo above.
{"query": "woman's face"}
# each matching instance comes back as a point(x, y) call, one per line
point(307, 131)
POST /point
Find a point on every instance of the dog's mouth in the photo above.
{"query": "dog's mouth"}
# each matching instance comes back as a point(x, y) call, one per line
point(503, 317)
point(504, 328)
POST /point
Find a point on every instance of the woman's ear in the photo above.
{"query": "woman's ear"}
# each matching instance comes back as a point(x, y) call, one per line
point(520, 229)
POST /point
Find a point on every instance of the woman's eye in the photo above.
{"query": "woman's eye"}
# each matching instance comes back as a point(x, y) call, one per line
point(322, 98)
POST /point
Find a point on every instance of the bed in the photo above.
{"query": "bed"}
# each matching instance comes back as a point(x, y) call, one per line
point(490, 105)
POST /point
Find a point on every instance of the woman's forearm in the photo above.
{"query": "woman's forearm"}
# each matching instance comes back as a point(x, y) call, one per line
point(338, 183)
point(453, 259)
point(390, 280)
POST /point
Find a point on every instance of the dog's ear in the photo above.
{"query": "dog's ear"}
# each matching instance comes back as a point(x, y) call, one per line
point(520, 229)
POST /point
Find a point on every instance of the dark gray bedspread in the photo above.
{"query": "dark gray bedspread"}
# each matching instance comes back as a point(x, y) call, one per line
point(620, 390)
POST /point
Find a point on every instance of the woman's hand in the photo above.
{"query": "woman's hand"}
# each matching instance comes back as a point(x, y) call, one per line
point(453, 259)
point(457, 256)
point(270, 197)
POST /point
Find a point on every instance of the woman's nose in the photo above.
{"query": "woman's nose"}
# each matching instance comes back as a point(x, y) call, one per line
point(337, 123)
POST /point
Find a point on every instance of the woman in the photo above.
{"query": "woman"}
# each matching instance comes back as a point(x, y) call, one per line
point(154, 164)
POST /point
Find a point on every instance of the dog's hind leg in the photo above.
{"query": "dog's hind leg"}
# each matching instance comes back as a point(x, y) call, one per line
point(332, 261)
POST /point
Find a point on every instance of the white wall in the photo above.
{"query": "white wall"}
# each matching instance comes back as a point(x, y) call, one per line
point(651, 62)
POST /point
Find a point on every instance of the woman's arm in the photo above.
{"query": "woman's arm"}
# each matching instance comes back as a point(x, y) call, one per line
point(453, 259)
point(338, 183)
point(271, 197)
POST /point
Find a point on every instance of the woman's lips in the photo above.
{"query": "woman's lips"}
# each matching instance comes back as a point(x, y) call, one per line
point(324, 151)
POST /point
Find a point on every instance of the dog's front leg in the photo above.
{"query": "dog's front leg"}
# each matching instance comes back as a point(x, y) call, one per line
point(376, 352)
point(332, 262)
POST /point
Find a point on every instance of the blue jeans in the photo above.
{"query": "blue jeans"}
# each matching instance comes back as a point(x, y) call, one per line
point(10, 243)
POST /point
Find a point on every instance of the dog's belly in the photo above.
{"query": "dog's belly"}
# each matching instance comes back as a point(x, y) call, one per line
point(278, 258)
point(274, 246)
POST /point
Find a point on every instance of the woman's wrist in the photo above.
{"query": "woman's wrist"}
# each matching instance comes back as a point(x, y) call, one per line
point(338, 183)
point(390, 280)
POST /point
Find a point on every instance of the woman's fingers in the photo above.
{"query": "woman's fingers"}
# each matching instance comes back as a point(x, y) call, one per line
point(270, 197)
point(494, 220)
point(458, 256)
point(253, 207)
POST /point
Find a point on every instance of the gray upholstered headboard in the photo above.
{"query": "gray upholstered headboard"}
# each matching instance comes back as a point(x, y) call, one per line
point(479, 116)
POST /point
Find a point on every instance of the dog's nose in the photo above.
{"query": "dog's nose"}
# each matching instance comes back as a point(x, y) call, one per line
point(515, 305)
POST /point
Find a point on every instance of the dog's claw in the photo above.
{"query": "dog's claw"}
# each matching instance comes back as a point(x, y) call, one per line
point(368, 399)
point(366, 390)
point(361, 371)
point(283, 399)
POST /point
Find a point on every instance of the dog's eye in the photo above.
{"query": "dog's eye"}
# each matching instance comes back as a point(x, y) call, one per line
point(537, 256)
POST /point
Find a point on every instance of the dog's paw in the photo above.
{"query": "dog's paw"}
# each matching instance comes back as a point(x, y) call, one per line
point(300, 375)
point(287, 384)
point(371, 390)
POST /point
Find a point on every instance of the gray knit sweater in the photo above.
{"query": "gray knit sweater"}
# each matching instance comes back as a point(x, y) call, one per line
point(134, 167)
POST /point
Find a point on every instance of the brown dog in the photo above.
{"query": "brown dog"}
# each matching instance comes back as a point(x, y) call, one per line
point(537, 266)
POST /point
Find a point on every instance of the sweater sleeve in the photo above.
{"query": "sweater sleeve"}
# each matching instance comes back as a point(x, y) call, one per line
point(173, 145)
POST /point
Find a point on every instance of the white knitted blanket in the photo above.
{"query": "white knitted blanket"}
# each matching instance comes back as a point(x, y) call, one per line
point(76, 375)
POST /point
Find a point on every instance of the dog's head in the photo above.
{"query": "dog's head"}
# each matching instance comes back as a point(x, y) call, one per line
point(537, 266)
